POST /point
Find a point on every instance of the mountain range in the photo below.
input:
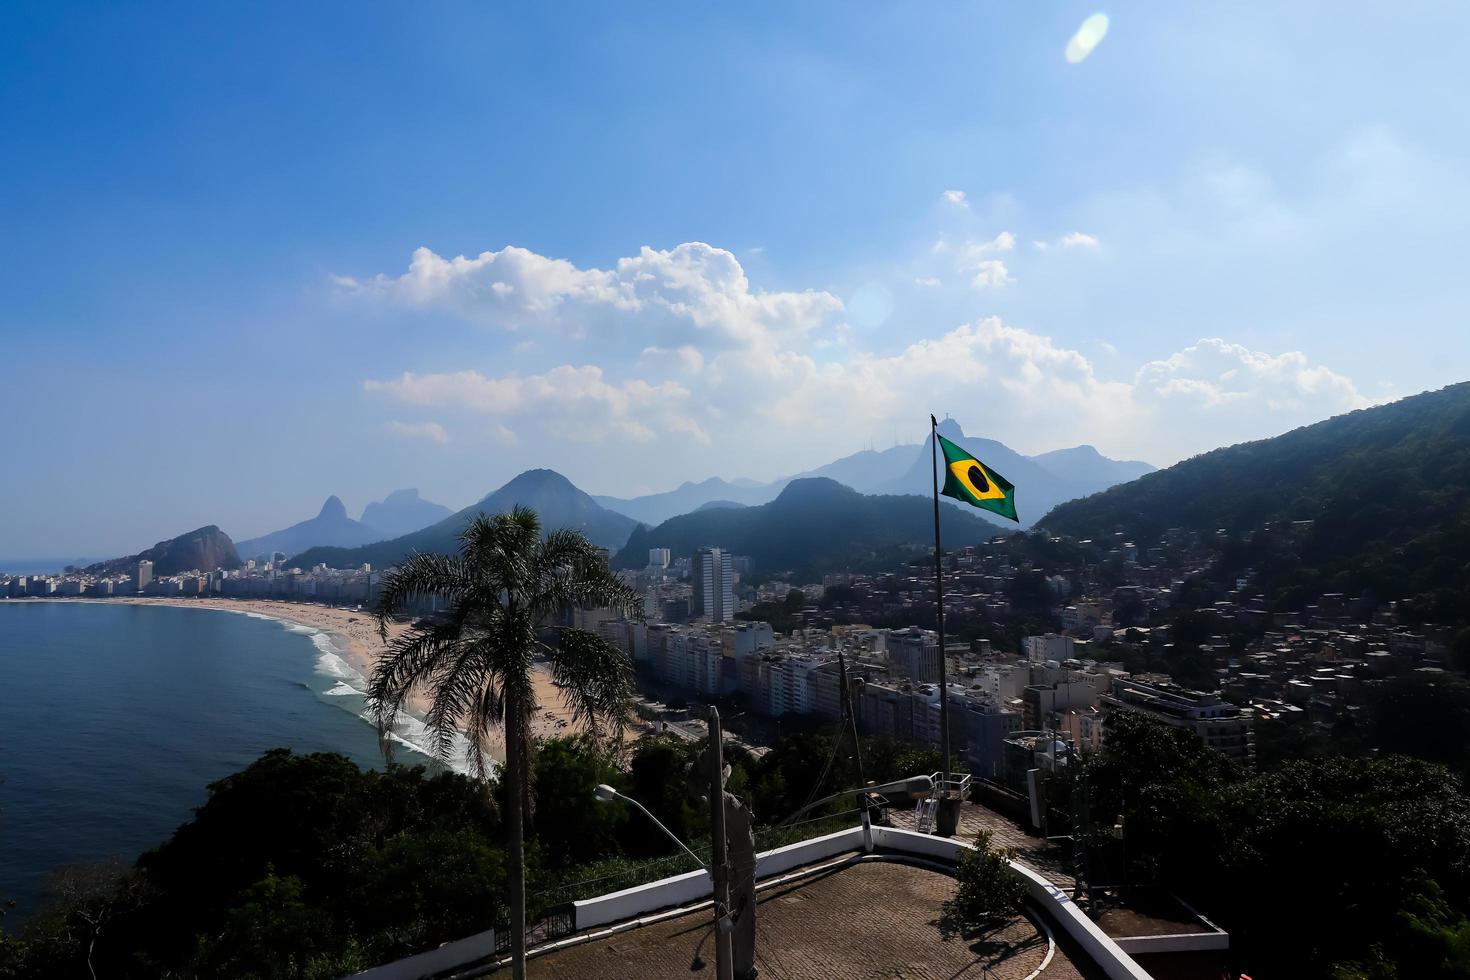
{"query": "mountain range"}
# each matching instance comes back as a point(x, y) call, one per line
point(401, 512)
point(1041, 481)
point(551, 495)
point(815, 524)
point(331, 526)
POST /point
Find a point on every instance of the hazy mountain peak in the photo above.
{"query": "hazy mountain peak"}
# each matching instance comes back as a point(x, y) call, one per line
point(402, 512)
point(536, 480)
point(813, 488)
point(951, 430)
point(333, 509)
point(558, 503)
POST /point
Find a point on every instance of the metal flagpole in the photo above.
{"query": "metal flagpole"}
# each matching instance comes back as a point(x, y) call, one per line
point(939, 594)
point(719, 863)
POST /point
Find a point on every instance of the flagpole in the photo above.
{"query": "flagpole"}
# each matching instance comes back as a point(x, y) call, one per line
point(939, 593)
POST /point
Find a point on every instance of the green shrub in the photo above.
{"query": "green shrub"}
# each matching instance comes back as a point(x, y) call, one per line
point(987, 894)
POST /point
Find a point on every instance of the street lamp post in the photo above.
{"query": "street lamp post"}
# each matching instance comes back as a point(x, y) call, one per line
point(606, 794)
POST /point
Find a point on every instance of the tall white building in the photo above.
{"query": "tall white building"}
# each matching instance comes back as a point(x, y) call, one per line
point(914, 653)
point(714, 585)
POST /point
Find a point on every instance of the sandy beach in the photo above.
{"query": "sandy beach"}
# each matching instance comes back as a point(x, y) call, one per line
point(355, 633)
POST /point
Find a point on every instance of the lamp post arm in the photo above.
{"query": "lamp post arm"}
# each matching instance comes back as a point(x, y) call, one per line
point(669, 833)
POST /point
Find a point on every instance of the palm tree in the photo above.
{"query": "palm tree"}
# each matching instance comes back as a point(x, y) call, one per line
point(509, 590)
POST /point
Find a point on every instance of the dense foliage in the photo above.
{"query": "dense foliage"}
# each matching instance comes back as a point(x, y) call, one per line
point(309, 866)
point(296, 866)
point(1387, 490)
point(816, 525)
point(1333, 866)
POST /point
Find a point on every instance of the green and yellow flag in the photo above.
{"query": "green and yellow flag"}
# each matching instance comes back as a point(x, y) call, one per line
point(971, 481)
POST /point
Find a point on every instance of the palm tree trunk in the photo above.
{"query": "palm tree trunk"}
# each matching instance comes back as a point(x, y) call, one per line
point(515, 804)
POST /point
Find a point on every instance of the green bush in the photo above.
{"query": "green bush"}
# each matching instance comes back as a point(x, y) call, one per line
point(987, 894)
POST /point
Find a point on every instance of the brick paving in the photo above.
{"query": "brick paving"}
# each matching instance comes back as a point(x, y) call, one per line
point(1037, 853)
point(867, 920)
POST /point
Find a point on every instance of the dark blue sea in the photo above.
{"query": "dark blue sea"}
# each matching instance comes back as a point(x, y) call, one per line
point(114, 719)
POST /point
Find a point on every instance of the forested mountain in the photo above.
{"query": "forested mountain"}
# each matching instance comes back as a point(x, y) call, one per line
point(204, 549)
point(331, 526)
point(552, 496)
point(1387, 490)
point(814, 525)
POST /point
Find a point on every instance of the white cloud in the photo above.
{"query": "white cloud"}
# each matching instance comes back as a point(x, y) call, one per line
point(1214, 375)
point(1078, 239)
point(957, 198)
point(572, 402)
point(432, 431)
point(1003, 242)
point(991, 274)
point(754, 376)
point(691, 293)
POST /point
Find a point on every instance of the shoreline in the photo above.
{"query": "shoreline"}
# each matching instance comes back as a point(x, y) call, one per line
point(353, 634)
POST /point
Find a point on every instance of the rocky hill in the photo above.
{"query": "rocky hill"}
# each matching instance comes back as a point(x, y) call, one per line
point(205, 549)
point(402, 512)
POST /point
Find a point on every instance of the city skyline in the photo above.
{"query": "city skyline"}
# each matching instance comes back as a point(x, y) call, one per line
point(305, 254)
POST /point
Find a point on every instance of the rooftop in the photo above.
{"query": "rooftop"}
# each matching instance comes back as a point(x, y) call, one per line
point(868, 919)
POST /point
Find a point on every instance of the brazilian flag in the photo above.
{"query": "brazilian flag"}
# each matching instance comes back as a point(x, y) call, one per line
point(971, 481)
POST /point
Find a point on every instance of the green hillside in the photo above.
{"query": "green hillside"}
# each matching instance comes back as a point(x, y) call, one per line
point(1387, 490)
point(814, 525)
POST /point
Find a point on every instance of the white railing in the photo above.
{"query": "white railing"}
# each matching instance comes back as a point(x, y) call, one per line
point(692, 887)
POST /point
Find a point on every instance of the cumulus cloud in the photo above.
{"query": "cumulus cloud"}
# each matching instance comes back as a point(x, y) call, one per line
point(574, 402)
point(1214, 374)
point(1078, 239)
point(957, 198)
point(431, 431)
point(755, 376)
point(692, 292)
point(990, 274)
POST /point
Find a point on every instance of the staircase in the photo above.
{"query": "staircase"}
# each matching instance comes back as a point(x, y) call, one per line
point(924, 812)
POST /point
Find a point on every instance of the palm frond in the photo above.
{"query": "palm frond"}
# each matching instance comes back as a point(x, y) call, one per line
point(408, 665)
point(571, 572)
point(420, 576)
point(595, 679)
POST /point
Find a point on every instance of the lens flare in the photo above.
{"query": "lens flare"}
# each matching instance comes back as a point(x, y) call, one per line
point(1088, 36)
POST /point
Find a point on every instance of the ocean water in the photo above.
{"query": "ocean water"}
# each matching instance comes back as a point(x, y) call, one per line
point(114, 718)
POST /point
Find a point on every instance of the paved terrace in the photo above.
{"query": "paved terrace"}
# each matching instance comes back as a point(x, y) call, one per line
point(874, 919)
point(1037, 853)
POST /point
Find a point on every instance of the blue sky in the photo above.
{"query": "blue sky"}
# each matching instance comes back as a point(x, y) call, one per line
point(699, 241)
